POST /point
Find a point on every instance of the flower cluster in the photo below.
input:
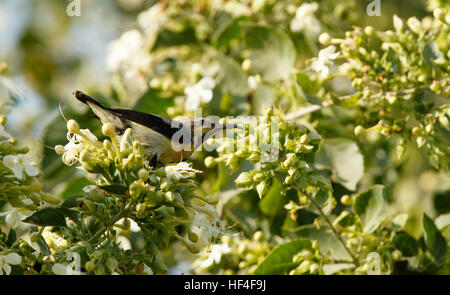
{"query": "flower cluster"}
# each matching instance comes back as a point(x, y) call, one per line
point(399, 79)
point(233, 256)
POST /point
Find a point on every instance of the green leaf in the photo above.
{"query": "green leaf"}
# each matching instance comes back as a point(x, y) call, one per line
point(406, 244)
point(47, 217)
point(71, 202)
point(371, 206)
point(434, 240)
point(231, 78)
point(273, 201)
point(152, 102)
point(169, 38)
point(75, 186)
point(328, 243)
point(344, 159)
point(272, 52)
point(229, 31)
point(12, 236)
point(116, 189)
point(279, 261)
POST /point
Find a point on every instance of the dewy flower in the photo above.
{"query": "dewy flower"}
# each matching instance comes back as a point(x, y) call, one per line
point(3, 133)
point(15, 216)
point(7, 260)
point(72, 268)
point(200, 92)
point(181, 170)
point(215, 255)
point(306, 20)
point(152, 20)
point(17, 164)
point(207, 222)
point(323, 63)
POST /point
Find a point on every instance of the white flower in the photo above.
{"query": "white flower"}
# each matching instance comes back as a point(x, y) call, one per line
point(15, 216)
point(306, 20)
point(181, 170)
point(72, 268)
point(3, 133)
point(152, 20)
point(323, 63)
point(215, 255)
point(18, 164)
point(207, 222)
point(128, 54)
point(200, 92)
point(7, 260)
point(75, 145)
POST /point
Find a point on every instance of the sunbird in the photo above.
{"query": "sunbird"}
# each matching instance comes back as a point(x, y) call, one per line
point(165, 140)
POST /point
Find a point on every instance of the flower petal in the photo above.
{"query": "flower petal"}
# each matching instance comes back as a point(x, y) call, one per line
point(31, 170)
point(13, 258)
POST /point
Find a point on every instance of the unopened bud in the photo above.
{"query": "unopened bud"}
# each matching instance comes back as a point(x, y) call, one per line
point(73, 126)
point(108, 130)
point(59, 149)
point(359, 130)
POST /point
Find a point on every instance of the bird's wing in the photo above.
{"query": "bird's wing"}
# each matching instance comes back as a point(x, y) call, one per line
point(157, 123)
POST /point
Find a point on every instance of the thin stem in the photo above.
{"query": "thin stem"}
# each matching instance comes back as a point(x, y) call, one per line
point(122, 213)
point(335, 232)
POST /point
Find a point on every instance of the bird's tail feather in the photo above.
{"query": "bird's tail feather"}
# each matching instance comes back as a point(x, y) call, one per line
point(84, 98)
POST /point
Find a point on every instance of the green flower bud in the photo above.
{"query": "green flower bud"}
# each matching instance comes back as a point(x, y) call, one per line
point(59, 149)
point(439, 14)
point(4, 68)
point(36, 186)
point(3, 120)
point(443, 121)
point(90, 265)
point(246, 65)
point(136, 188)
point(325, 39)
point(155, 83)
point(245, 179)
point(346, 200)
point(397, 255)
point(262, 188)
point(96, 194)
point(370, 31)
point(109, 130)
point(258, 236)
point(50, 198)
point(210, 162)
point(73, 126)
point(143, 174)
point(359, 130)
point(85, 156)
